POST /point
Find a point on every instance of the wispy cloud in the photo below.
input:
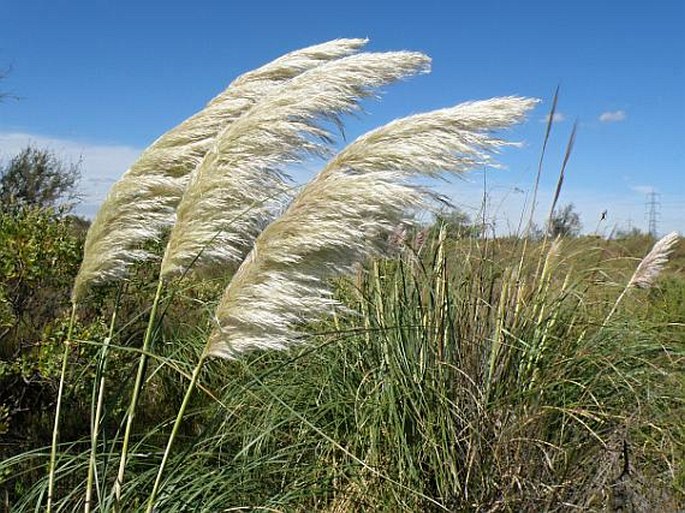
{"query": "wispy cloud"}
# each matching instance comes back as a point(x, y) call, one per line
point(642, 189)
point(613, 116)
point(101, 164)
point(558, 118)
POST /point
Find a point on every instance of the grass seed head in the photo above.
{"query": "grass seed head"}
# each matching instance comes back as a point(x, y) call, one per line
point(345, 215)
point(143, 203)
point(653, 263)
point(230, 198)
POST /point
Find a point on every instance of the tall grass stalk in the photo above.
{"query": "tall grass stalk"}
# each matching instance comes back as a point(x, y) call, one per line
point(58, 410)
point(555, 199)
point(533, 204)
point(548, 130)
point(174, 431)
point(98, 402)
point(562, 175)
point(135, 394)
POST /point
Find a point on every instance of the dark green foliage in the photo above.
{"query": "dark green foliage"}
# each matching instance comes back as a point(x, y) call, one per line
point(40, 252)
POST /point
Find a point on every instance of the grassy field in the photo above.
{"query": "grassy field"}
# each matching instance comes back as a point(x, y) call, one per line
point(466, 377)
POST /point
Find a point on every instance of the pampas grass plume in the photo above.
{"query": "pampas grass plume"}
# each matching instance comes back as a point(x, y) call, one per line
point(228, 201)
point(346, 215)
point(653, 263)
point(143, 202)
point(648, 270)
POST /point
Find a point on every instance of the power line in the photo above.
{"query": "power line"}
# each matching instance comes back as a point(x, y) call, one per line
point(652, 210)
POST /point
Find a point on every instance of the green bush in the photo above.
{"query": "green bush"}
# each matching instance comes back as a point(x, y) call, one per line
point(39, 256)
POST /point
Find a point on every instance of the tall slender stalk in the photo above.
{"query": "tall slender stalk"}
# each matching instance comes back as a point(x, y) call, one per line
point(533, 205)
point(548, 130)
point(562, 175)
point(174, 431)
point(555, 199)
point(58, 409)
point(99, 390)
point(142, 362)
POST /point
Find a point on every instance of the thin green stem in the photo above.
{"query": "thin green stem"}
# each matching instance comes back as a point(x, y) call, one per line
point(58, 408)
point(615, 307)
point(174, 432)
point(99, 389)
point(136, 392)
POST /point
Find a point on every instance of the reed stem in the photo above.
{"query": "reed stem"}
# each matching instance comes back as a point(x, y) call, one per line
point(58, 409)
point(100, 391)
point(174, 432)
point(142, 362)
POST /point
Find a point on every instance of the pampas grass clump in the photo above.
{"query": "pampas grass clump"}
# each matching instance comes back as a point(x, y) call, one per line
point(464, 382)
point(338, 219)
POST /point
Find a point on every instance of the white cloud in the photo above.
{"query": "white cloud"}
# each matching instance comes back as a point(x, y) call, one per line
point(642, 189)
point(613, 116)
point(101, 164)
point(557, 118)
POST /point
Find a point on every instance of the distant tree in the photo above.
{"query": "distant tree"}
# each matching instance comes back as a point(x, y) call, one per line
point(456, 222)
point(38, 178)
point(565, 222)
point(628, 233)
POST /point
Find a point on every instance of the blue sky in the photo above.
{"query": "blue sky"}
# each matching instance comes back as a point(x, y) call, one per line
point(101, 80)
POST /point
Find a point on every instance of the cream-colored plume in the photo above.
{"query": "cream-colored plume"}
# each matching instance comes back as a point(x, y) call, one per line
point(345, 215)
point(646, 273)
point(652, 264)
point(143, 202)
point(229, 199)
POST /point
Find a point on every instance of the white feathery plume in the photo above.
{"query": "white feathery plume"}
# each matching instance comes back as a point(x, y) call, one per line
point(345, 215)
point(143, 202)
point(653, 263)
point(229, 199)
point(647, 271)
